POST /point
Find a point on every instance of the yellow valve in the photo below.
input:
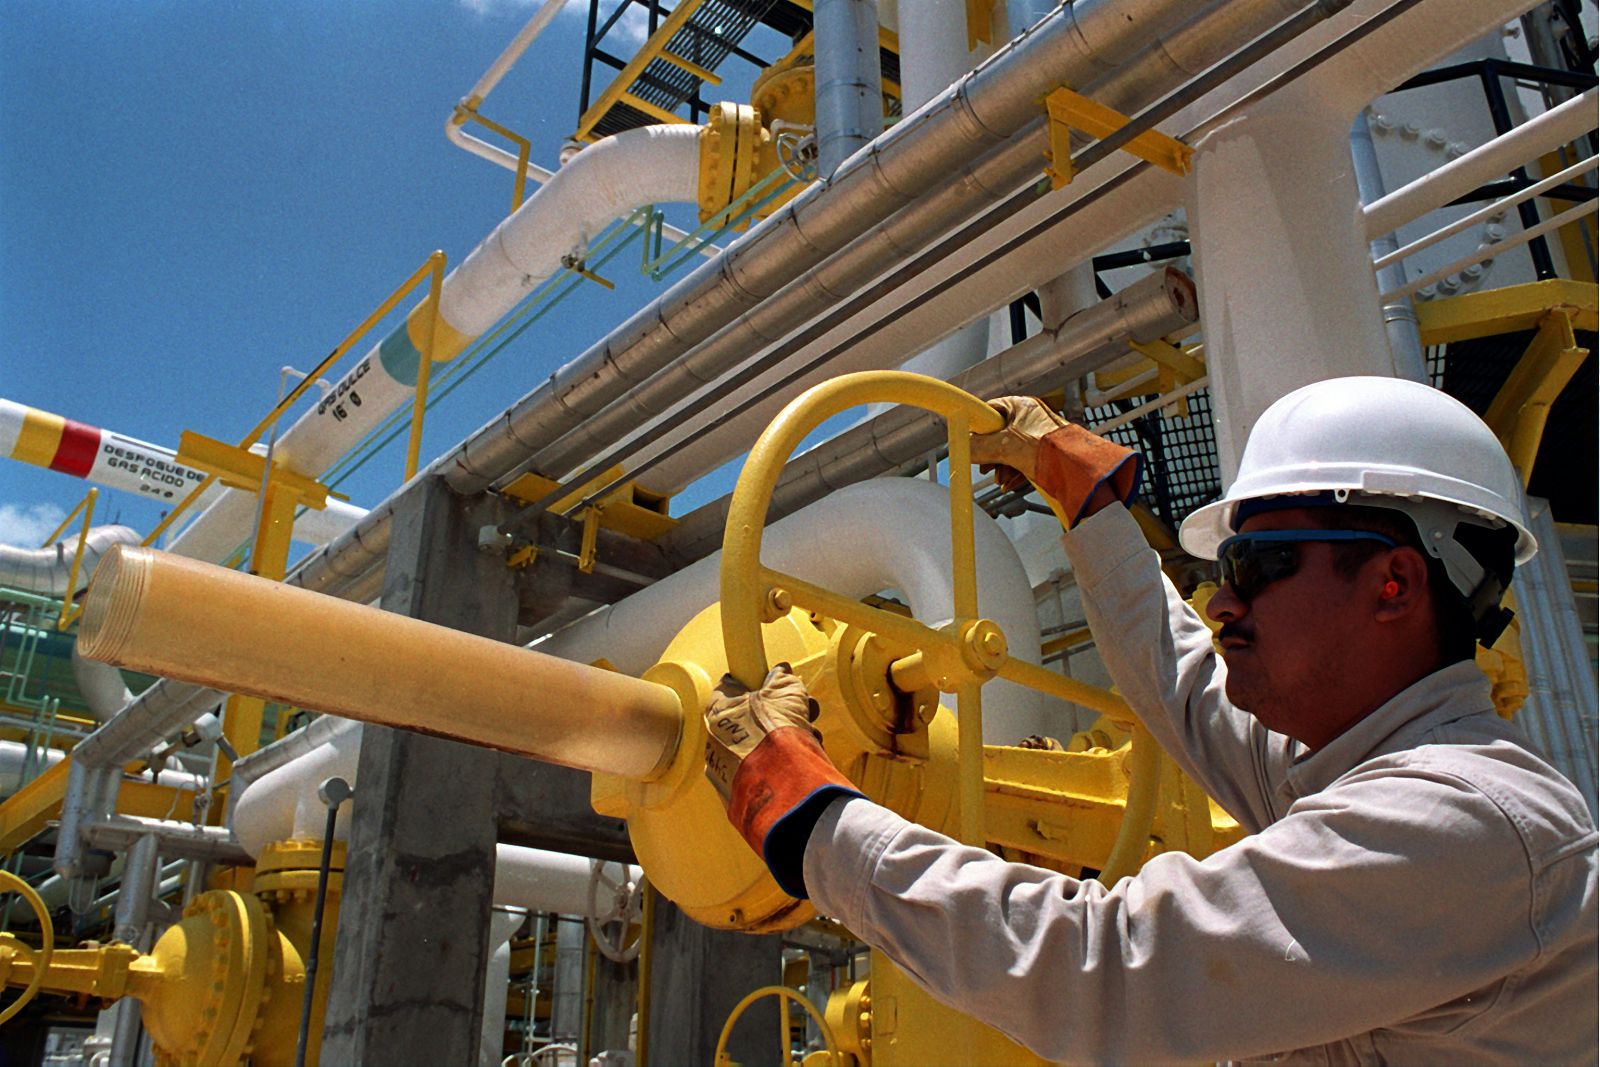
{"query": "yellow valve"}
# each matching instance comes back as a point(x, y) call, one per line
point(721, 1059)
point(220, 988)
point(960, 657)
point(48, 932)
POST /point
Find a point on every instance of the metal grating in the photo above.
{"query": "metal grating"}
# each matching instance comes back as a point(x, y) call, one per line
point(1180, 454)
point(715, 31)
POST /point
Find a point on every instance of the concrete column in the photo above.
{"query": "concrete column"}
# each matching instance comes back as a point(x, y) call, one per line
point(697, 977)
point(849, 79)
point(1287, 293)
point(413, 944)
point(615, 999)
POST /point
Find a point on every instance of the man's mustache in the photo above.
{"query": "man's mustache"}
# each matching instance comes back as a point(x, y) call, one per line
point(1234, 630)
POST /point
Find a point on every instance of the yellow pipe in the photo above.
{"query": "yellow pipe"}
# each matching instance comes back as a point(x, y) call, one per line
point(180, 618)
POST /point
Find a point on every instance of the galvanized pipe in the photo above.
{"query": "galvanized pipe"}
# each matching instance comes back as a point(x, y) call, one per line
point(528, 426)
point(973, 185)
point(988, 106)
point(1150, 308)
point(849, 77)
point(181, 618)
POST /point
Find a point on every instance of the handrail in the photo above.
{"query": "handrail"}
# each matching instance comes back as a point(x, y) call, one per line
point(67, 616)
point(434, 264)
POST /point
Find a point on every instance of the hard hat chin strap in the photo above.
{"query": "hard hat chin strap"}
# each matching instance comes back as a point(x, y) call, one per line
point(1480, 588)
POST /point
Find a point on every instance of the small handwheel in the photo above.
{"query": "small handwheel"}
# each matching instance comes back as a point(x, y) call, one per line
point(616, 910)
point(958, 658)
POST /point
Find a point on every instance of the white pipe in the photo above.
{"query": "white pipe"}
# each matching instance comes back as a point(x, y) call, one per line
point(1486, 212)
point(46, 570)
point(13, 754)
point(503, 922)
point(283, 804)
point(101, 685)
point(609, 179)
point(519, 44)
point(889, 533)
point(1521, 237)
point(1561, 124)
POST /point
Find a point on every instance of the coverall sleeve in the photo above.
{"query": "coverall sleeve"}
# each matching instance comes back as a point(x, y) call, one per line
point(1331, 922)
point(1160, 655)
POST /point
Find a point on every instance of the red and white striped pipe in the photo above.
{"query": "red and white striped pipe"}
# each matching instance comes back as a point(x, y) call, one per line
point(97, 455)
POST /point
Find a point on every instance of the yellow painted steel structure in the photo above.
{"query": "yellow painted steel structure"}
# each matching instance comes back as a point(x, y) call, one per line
point(223, 986)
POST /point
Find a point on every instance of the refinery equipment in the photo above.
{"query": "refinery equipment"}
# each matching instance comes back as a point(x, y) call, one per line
point(430, 787)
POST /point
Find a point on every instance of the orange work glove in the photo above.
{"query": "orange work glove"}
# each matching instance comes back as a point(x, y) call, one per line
point(1064, 462)
point(766, 761)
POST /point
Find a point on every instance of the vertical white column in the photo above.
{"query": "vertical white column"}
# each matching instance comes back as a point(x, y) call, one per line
point(1287, 293)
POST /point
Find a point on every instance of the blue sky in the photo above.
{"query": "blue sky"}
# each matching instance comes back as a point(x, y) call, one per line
point(193, 195)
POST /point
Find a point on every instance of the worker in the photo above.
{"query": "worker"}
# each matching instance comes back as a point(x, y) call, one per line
point(1418, 885)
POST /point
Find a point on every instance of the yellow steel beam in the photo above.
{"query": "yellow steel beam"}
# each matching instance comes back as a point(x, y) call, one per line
point(1506, 310)
point(239, 468)
point(710, 77)
point(638, 103)
point(629, 74)
point(1522, 406)
point(27, 812)
point(1070, 111)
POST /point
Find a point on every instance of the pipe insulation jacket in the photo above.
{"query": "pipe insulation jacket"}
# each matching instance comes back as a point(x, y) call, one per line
point(207, 625)
point(1078, 43)
point(609, 179)
point(283, 804)
point(959, 190)
point(47, 570)
point(891, 533)
point(691, 311)
point(1160, 303)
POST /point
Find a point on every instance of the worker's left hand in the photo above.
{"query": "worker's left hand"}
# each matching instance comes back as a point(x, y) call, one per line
point(766, 762)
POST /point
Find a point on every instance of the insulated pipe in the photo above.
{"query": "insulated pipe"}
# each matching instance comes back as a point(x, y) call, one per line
point(891, 533)
point(47, 570)
point(1150, 308)
point(849, 79)
point(359, 554)
point(117, 461)
point(180, 618)
point(1561, 124)
point(835, 283)
point(497, 977)
point(648, 165)
point(989, 105)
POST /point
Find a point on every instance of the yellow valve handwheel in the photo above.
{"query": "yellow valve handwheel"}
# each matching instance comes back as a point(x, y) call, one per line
point(961, 656)
point(47, 932)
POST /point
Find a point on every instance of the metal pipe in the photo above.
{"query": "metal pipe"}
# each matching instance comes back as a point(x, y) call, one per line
point(182, 840)
point(972, 186)
point(984, 108)
point(131, 916)
point(1150, 308)
point(1561, 124)
point(849, 79)
point(666, 329)
point(173, 616)
point(1399, 316)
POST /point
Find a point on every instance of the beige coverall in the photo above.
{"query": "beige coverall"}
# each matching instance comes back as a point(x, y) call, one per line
point(1421, 890)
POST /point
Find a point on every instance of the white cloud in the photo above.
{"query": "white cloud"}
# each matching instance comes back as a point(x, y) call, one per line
point(630, 30)
point(27, 525)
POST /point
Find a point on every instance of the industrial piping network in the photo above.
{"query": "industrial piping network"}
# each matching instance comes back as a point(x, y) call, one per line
point(375, 531)
point(696, 306)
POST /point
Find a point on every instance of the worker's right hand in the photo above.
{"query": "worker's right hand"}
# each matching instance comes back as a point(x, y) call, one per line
point(1072, 467)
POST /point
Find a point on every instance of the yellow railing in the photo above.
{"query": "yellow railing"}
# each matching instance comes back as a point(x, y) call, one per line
point(69, 614)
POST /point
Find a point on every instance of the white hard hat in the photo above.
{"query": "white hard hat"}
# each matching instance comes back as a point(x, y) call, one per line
point(1388, 442)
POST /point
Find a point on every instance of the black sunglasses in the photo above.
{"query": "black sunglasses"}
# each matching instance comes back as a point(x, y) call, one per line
point(1249, 562)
